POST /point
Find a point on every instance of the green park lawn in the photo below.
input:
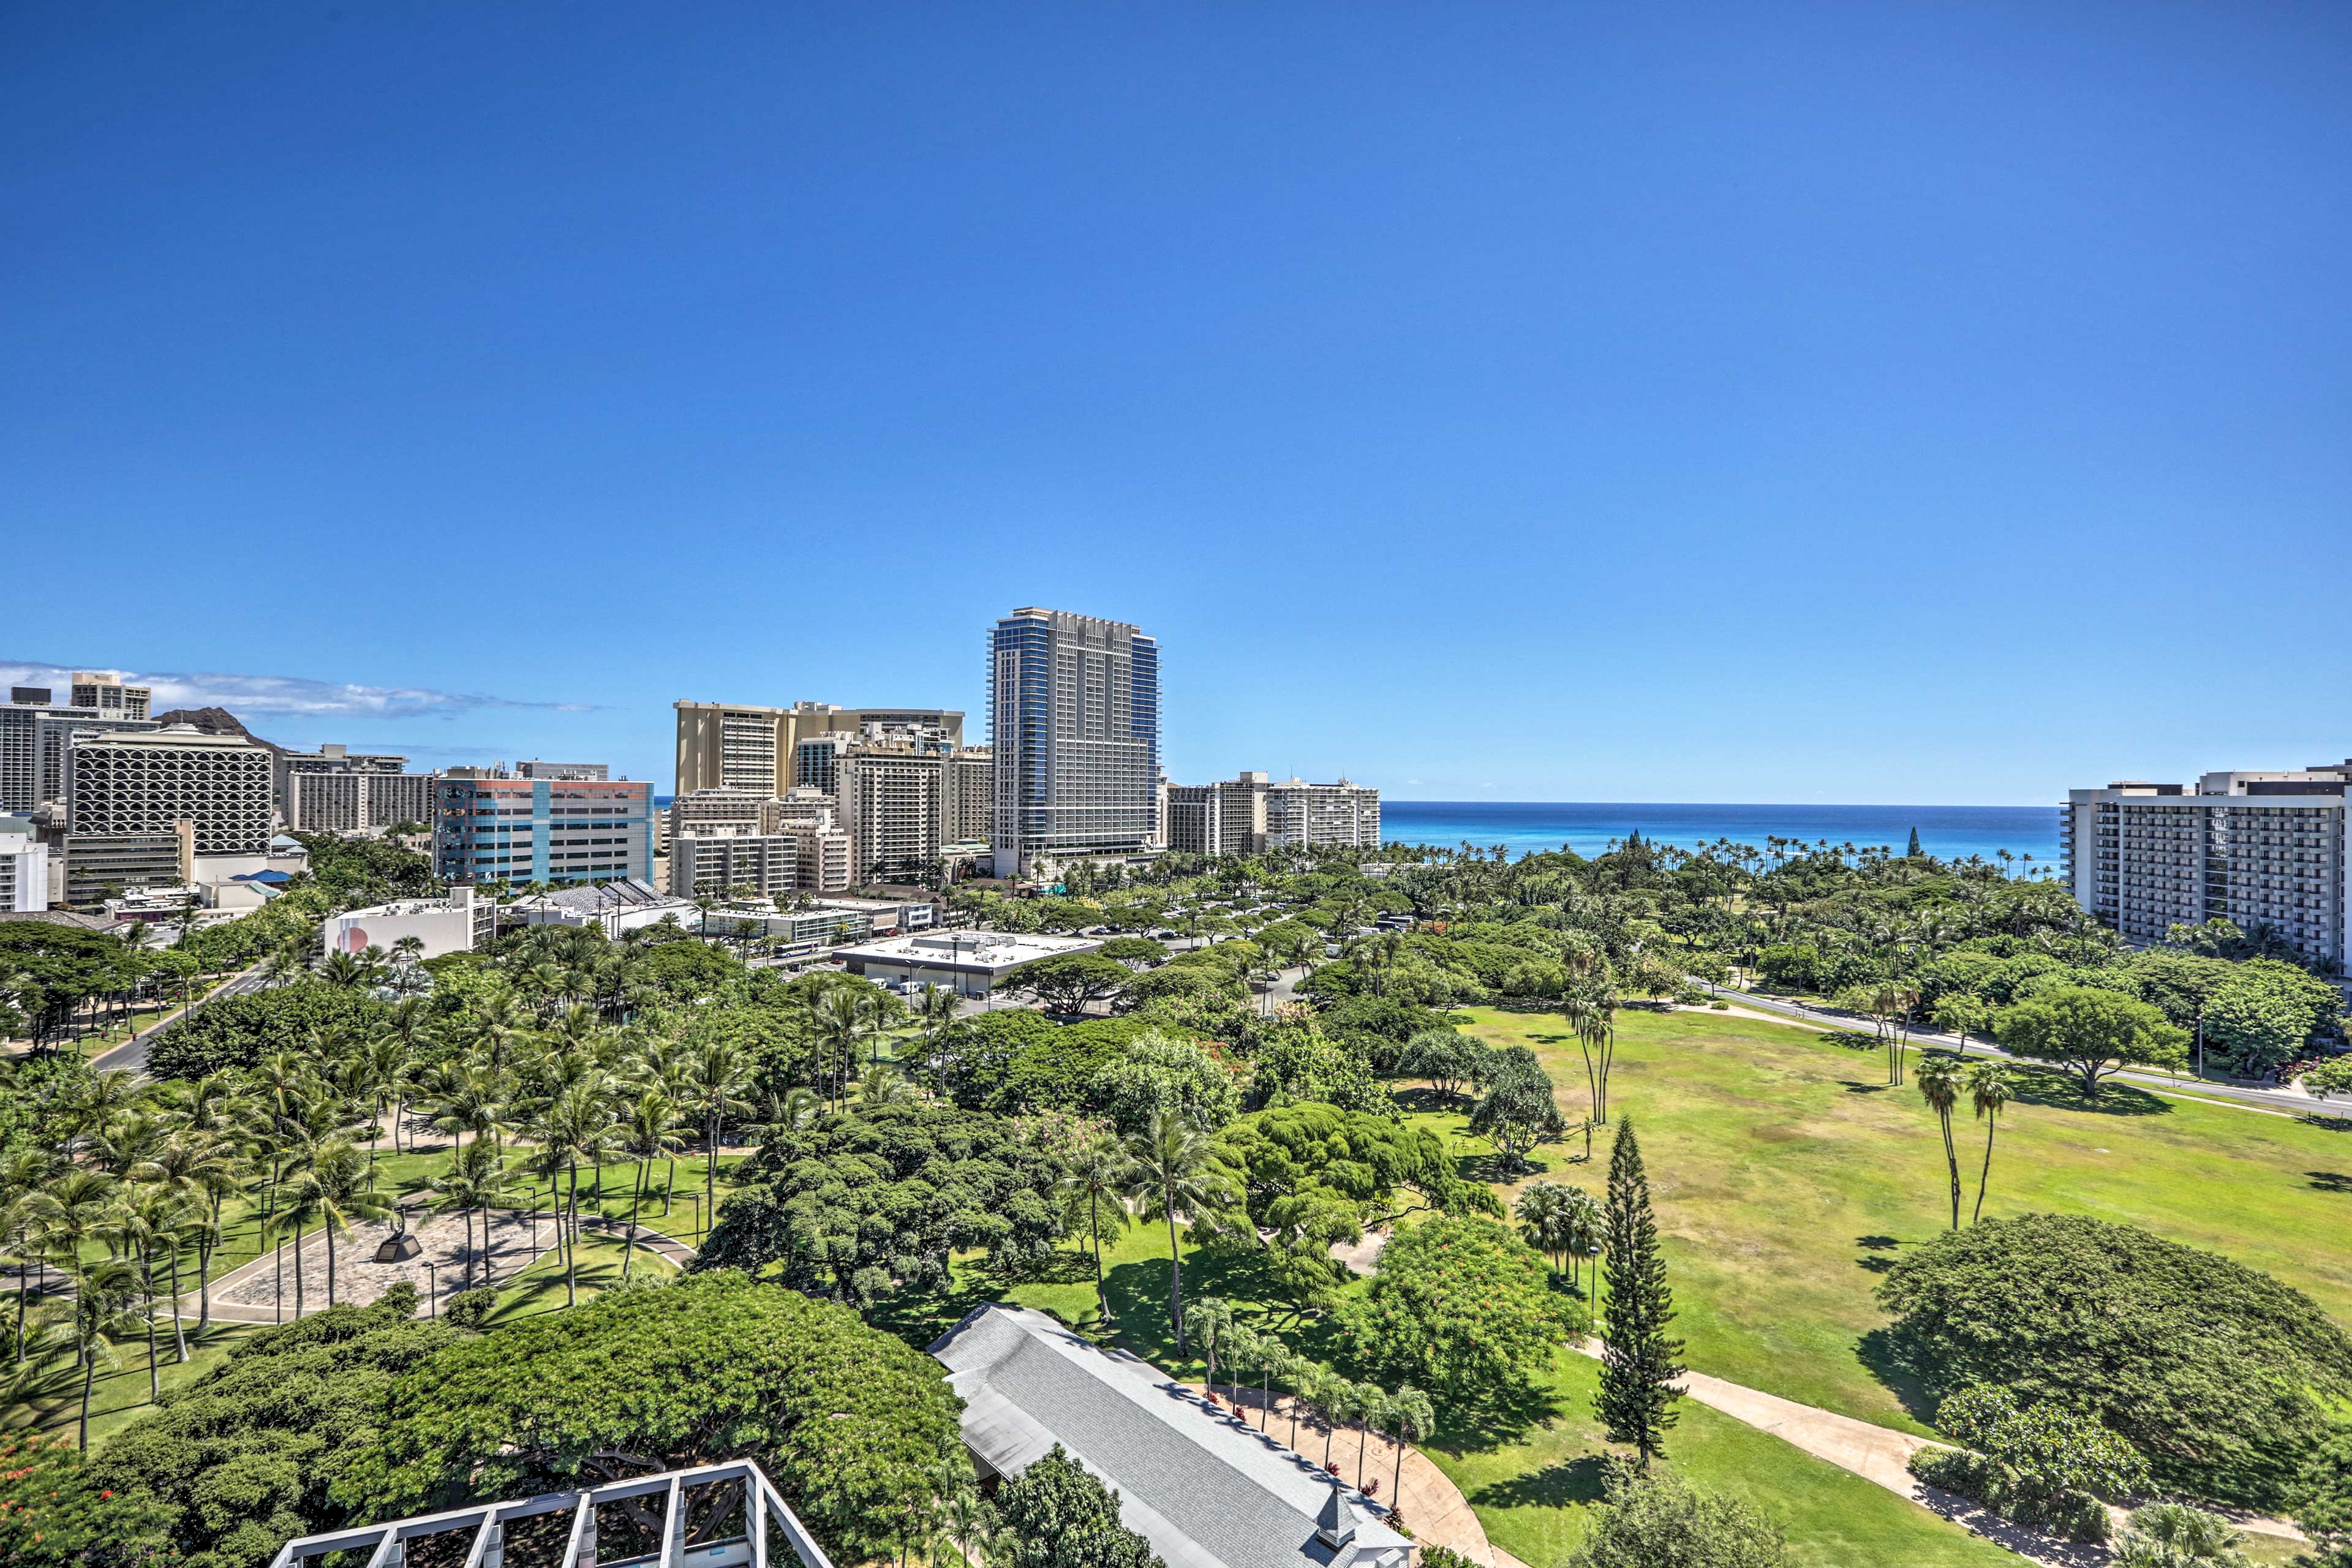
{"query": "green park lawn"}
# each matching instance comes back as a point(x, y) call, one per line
point(1531, 1477)
point(1787, 1175)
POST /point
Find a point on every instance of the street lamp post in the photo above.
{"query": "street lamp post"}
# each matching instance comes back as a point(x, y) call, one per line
point(1592, 1289)
point(432, 1291)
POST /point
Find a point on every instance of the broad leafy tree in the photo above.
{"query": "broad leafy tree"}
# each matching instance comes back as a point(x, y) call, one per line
point(857, 1204)
point(1462, 1307)
point(1658, 1519)
point(1055, 1514)
point(2219, 1375)
point(855, 1427)
point(2092, 1034)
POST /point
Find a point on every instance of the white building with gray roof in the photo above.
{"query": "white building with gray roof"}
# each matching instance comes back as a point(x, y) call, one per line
point(1207, 1489)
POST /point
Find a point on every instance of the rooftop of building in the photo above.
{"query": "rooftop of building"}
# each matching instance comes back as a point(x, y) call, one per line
point(1205, 1488)
point(971, 949)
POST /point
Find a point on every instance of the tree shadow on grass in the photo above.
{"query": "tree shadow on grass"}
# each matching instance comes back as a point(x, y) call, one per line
point(1853, 1039)
point(1487, 1418)
point(1424, 1100)
point(1887, 1357)
point(2328, 1124)
point(1876, 1245)
point(2330, 1181)
point(1855, 1086)
point(2053, 1092)
point(1556, 1485)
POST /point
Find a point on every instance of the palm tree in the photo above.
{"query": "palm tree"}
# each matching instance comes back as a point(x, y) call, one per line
point(937, 1014)
point(1989, 1088)
point(1542, 1211)
point(1370, 1404)
point(299, 1203)
point(714, 1080)
point(576, 1129)
point(341, 1175)
point(1092, 1180)
point(1173, 1173)
point(1411, 1416)
point(1939, 1086)
point(1337, 1397)
point(649, 1131)
point(102, 1293)
point(1212, 1322)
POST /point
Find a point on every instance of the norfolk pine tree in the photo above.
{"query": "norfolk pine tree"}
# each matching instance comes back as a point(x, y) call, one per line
point(1638, 1368)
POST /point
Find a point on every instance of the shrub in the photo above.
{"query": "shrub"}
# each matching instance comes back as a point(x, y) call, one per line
point(2042, 1465)
point(1658, 1519)
point(470, 1310)
point(1058, 1515)
point(1463, 1308)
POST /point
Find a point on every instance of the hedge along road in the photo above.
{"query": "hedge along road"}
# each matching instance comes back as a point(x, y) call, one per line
point(2291, 1102)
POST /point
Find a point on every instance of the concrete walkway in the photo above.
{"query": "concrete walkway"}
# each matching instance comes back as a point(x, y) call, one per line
point(1881, 1455)
point(1431, 1506)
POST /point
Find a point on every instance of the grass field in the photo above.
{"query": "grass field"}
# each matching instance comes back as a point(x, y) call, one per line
point(1787, 1175)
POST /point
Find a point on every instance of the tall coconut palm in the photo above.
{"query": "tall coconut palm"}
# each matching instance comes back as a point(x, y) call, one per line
point(576, 1129)
point(1940, 1085)
point(648, 1132)
point(1989, 1089)
point(1093, 1178)
point(1173, 1174)
point(103, 1293)
point(716, 1074)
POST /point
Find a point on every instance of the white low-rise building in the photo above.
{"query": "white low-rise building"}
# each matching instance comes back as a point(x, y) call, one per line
point(445, 925)
point(972, 962)
point(24, 868)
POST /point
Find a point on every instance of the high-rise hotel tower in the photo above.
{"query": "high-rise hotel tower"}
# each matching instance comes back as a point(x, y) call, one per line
point(1073, 715)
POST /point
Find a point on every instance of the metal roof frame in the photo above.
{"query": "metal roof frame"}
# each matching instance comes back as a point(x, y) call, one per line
point(387, 1543)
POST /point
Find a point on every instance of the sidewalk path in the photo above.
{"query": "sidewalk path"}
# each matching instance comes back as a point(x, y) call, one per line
point(1881, 1455)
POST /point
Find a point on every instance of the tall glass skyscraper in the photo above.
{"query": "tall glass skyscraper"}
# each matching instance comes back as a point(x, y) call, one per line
point(1073, 714)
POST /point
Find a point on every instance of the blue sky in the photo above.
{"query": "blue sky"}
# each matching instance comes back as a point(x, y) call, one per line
point(1789, 403)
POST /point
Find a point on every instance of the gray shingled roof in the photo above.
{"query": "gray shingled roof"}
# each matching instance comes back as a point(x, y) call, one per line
point(1206, 1489)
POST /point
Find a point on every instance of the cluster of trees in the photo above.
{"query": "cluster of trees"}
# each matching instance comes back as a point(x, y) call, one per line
point(364, 1413)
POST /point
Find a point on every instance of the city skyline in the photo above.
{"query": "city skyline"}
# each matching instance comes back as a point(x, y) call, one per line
point(1829, 403)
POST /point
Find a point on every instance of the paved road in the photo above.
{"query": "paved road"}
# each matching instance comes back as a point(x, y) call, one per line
point(2268, 1099)
point(133, 1052)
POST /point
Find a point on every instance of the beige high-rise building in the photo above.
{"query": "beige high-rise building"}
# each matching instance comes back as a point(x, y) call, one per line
point(972, 774)
point(1253, 812)
point(746, 746)
point(104, 691)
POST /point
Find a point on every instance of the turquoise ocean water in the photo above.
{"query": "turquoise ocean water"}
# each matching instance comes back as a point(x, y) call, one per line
point(1946, 831)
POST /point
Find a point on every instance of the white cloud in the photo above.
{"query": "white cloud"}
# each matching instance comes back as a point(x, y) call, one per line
point(251, 695)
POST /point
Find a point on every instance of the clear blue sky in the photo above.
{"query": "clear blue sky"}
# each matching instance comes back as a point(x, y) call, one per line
point(1804, 402)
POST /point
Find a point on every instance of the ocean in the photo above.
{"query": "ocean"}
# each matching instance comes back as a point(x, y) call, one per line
point(1947, 832)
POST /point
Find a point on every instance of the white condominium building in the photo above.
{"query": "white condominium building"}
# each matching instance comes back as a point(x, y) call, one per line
point(1253, 812)
point(1073, 714)
point(899, 805)
point(2254, 848)
point(34, 735)
point(24, 868)
point(704, 809)
point(125, 784)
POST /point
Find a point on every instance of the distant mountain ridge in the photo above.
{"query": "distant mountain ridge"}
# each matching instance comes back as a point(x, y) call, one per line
point(216, 722)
